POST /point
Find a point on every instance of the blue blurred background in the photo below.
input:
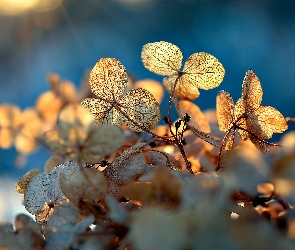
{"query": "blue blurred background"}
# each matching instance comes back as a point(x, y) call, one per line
point(68, 37)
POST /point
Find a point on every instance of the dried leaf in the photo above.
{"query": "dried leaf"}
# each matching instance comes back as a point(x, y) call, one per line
point(137, 108)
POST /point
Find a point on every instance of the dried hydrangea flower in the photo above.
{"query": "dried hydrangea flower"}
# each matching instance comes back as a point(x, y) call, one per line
point(138, 108)
point(154, 87)
point(78, 139)
point(65, 90)
point(250, 119)
point(19, 128)
point(201, 70)
point(23, 182)
point(43, 192)
point(129, 166)
point(262, 121)
point(163, 188)
point(89, 184)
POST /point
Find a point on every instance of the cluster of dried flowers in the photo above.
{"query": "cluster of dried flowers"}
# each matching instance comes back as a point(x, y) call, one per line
point(118, 180)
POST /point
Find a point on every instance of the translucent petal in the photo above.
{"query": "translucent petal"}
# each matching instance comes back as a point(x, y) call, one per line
point(224, 110)
point(270, 120)
point(198, 119)
point(141, 107)
point(108, 78)
point(55, 142)
point(162, 58)
point(154, 87)
point(182, 90)
point(203, 71)
point(100, 110)
point(87, 184)
point(251, 91)
point(74, 115)
point(101, 141)
point(230, 141)
point(23, 182)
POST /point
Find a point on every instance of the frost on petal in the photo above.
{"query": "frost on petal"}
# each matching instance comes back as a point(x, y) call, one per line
point(23, 182)
point(162, 58)
point(141, 108)
point(181, 91)
point(44, 193)
point(224, 110)
point(270, 120)
point(154, 87)
point(251, 91)
point(37, 193)
point(203, 71)
point(108, 78)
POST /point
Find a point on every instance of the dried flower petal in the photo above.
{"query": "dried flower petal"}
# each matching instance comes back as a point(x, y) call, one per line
point(140, 106)
point(182, 90)
point(203, 71)
point(23, 182)
point(89, 184)
point(137, 108)
point(154, 87)
point(162, 58)
point(225, 110)
point(78, 139)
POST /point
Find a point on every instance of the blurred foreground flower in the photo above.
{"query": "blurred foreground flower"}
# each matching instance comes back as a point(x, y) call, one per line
point(78, 139)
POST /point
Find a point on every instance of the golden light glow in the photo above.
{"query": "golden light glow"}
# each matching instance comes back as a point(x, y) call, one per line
point(17, 7)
